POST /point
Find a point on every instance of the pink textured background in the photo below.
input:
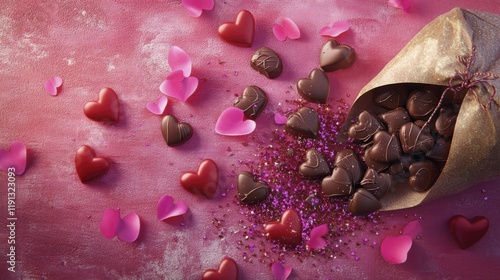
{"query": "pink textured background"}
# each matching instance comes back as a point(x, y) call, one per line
point(124, 45)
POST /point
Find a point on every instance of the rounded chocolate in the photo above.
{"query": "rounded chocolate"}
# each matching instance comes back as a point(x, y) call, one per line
point(420, 104)
point(440, 150)
point(334, 56)
point(445, 122)
point(366, 126)
point(174, 132)
point(377, 183)
point(304, 122)
point(371, 163)
point(267, 62)
point(386, 147)
point(250, 191)
point(415, 139)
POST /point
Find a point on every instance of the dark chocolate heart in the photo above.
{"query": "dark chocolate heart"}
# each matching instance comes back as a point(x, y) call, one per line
point(445, 122)
point(338, 184)
point(420, 104)
point(250, 191)
point(314, 165)
point(371, 163)
point(316, 88)
point(252, 102)
point(175, 133)
point(267, 62)
point(348, 160)
point(377, 183)
point(241, 32)
point(423, 174)
point(392, 97)
point(363, 202)
point(467, 232)
point(304, 123)
point(288, 231)
point(414, 139)
point(366, 126)
point(386, 147)
point(204, 181)
point(228, 270)
point(106, 109)
point(335, 56)
point(88, 165)
point(395, 119)
point(440, 150)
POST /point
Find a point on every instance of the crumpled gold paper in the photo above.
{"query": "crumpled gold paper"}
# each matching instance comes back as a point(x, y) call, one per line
point(431, 58)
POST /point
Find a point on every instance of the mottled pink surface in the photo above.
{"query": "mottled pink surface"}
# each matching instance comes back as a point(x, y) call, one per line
point(124, 45)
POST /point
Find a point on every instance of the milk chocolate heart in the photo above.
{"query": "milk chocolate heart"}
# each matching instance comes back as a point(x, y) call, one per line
point(371, 163)
point(204, 181)
point(421, 103)
point(316, 88)
point(304, 123)
point(377, 183)
point(315, 165)
point(88, 166)
point(414, 139)
point(252, 102)
point(335, 56)
point(392, 97)
point(106, 109)
point(423, 174)
point(363, 202)
point(366, 126)
point(445, 122)
point(241, 32)
point(348, 160)
point(228, 270)
point(288, 231)
point(250, 191)
point(174, 132)
point(386, 147)
point(467, 232)
point(267, 62)
point(338, 184)
point(395, 119)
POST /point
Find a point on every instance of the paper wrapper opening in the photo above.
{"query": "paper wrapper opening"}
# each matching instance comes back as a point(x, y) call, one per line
point(430, 58)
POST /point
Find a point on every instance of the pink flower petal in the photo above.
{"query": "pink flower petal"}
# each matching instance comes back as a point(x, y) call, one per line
point(109, 223)
point(287, 28)
point(316, 240)
point(14, 158)
point(159, 106)
point(412, 229)
point(279, 118)
point(395, 249)
point(279, 32)
point(279, 272)
point(179, 60)
point(168, 209)
point(128, 228)
point(337, 28)
point(52, 85)
point(196, 7)
point(179, 89)
point(405, 5)
point(231, 123)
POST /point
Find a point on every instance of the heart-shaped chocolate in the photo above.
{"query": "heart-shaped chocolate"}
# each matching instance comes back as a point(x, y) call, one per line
point(314, 165)
point(445, 122)
point(348, 160)
point(363, 202)
point(414, 139)
point(421, 104)
point(316, 88)
point(386, 147)
point(366, 126)
point(250, 191)
point(288, 231)
point(467, 232)
point(423, 174)
point(267, 62)
point(371, 163)
point(106, 109)
point(204, 181)
point(304, 123)
point(174, 132)
point(440, 150)
point(88, 166)
point(335, 56)
point(392, 97)
point(228, 270)
point(252, 102)
point(338, 184)
point(395, 119)
point(241, 32)
point(377, 183)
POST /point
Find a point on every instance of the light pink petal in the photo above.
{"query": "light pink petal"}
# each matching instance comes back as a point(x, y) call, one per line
point(279, 272)
point(109, 223)
point(337, 28)
point(279, 118)
point(316, 240)
point(291, 29)
point(231, 123)
point(128, 228)
point(405, 5)
point(14, 158)
point(413, 229)
point(167, 208)
point(176, 75)
point(279, 32)
point(395, 249)
point(159, 106)
point(52, 84)
point(180, 90)
point(195, 7)
point(179, 60)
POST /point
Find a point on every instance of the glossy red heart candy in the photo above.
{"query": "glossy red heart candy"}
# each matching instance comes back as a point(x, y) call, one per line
point(467, 232)
point(106, 109)
point(228, 270)
point(204, 181)
point(88, 166)
point(288, 231)
point(241, 32)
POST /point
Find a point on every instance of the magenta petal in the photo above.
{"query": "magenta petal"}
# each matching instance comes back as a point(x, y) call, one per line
point(109, 223)
point(159, 106)
point(128, 228)
point(413, 229)
point(291, 28)
point(167, 208)
point(395, 249)
point(279, 32)
point(279, 118)
point(337, 28)
point(14, 158)
point(316, 240)
point(52, 84)
point(179, 60)
point(231, 123)
point(195, 7)
point(405, 5)
point(279, 272)
point(180, 90)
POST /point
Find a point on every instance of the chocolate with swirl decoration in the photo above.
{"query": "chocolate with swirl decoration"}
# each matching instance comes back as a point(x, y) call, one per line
point(366, 126)
point(392, 97)
point(377, 183)
point(415, 139)
point(348, 160)
point(174, 132)
point(423, 174)
point(304, 123)
point(267, 62)
point(315, 165)
point(250, 191)
point(252, 102)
